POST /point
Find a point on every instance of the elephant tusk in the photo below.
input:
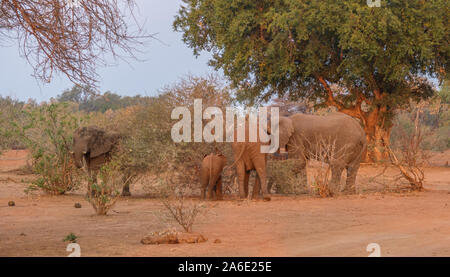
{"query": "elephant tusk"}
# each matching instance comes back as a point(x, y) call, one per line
point(283, 150)
point(85, 165)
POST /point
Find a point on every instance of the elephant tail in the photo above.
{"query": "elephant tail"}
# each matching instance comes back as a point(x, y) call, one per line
point(210, 169)
point(238, 158)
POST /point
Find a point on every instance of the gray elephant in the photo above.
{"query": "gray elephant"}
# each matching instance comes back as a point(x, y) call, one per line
point(92, 148)
point(211, 175)
point(248, 157)
point(339, 135)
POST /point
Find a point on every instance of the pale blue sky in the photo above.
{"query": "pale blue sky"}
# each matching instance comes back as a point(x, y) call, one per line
point(163, 65)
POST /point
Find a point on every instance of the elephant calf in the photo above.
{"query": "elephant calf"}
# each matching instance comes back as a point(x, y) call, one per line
point(211, 175)
point(92, 148)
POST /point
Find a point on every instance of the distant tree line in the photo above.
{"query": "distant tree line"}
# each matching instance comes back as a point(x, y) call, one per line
point(89, 101)
point(435, 115)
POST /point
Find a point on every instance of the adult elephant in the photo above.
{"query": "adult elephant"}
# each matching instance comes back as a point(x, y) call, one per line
point(92, 148)
point(337, 137)
point(248, 157)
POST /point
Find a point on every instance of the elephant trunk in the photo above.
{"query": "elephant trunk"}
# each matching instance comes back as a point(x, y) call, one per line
point(80, 159)
point(85, 164)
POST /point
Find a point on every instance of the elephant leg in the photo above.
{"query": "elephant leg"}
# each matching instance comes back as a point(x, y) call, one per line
point(211, 188)
point(241, 173)
point(204, 188)
point(126, 190)
point(126, 186)
point(219, 195)
point(336, 174)
point(256, 187)
point(269, 184)
point(261, 171)
point(246, 182)
point(352, 171)
point(203, 192)
point(204, 181)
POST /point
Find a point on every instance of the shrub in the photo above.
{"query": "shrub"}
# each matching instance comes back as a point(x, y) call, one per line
point(434, 123)
point(48, 135)
point(410, 156)
point(321, 180)
point(326, 152)
point(149, 140)
point(10, 111)
point(71, 238)
point(178, 207)
point(104, 194)
point(282, 178)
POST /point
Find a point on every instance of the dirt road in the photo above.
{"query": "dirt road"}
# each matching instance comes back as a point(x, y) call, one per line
point(403, 224)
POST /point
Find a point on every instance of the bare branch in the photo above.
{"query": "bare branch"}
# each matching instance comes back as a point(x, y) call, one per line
point(71, 37)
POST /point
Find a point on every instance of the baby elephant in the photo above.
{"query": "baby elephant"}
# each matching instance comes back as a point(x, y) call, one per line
point(211, 175)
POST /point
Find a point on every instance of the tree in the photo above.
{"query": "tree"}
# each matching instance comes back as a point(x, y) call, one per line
point(89, 101)
point(77, 94)
point(70, 36)
point(365, 61)
point(10, 110)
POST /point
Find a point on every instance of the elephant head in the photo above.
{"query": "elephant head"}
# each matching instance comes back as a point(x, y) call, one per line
point(286, 130)
point(91, 142)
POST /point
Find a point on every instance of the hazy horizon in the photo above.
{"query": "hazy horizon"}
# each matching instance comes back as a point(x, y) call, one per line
point(166, 61)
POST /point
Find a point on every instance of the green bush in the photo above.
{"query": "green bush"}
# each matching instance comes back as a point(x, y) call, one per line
point(71, 238)
point(434, 123)
point(104, 194)
point(11, 111)
point(48, 135)
point(147, 145)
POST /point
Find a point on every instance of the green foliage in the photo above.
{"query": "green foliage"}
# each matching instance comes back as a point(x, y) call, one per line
point(48, 135)
point(71, 238)
point(10, 110)
point(89, 101)
point(434, 123)
point(444, 92)
point(148, 146)
point(104, 194)
point(275, 47)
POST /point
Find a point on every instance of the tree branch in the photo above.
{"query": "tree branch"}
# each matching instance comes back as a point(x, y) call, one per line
point(331, 101)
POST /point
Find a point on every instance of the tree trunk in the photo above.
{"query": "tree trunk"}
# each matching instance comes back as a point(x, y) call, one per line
point(377, 139)
point(376, 122)
point(377, 127)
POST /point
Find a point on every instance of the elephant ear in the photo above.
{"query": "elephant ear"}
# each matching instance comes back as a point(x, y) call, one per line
point(286, 130)
point(102, 142)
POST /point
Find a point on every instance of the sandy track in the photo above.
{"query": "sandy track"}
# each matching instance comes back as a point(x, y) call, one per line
point(403, 224)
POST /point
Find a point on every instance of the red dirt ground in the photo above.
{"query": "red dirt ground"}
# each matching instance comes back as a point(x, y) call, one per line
point(403, 224)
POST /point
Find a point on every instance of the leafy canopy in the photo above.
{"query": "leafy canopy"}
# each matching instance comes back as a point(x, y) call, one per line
point(269, 47)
